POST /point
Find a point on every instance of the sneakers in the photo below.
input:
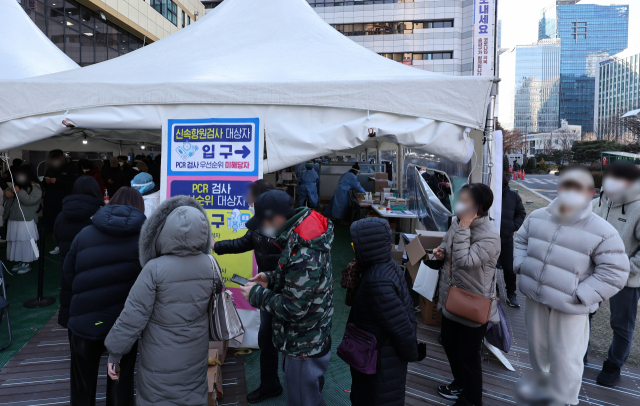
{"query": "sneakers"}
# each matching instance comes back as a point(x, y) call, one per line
point(55, 251)
point(450, 391)
point(610, 374)
point(512, 299)
point(261, 394)
point(24, 268)
point(17, 266)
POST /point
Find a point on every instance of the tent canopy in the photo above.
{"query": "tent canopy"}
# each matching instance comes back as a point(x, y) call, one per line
point(24, 49)
point(632, 113)
point(315, 90)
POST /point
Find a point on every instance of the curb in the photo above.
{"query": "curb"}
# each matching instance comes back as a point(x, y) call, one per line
point(532, 191)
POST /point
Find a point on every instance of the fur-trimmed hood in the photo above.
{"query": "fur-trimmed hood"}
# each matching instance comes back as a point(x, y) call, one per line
point(187, 233)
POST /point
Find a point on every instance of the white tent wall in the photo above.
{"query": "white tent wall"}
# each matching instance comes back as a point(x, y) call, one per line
point(293, 133)
point(25, 51)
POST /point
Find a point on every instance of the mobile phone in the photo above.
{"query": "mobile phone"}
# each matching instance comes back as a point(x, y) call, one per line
point(239, 280)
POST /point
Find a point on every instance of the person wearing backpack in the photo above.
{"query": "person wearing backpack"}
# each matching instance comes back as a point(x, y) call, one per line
point(382, 306)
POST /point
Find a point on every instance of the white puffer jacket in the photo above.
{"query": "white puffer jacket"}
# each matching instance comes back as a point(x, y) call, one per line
point(570, 267)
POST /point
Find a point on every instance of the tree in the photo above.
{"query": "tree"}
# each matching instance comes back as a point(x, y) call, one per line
point(512, 140)
point(566, 138)
point(547, 143)
point(589, 151)
point(632, 124)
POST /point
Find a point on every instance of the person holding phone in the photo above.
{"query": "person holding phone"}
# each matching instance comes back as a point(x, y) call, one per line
point(267, 255)
point(470, 249)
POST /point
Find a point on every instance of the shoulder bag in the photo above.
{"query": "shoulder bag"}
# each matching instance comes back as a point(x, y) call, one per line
point(224, 321)
point(470, 306)
point(358, 350)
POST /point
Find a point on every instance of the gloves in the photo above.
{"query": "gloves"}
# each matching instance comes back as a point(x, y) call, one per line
point(422, 351)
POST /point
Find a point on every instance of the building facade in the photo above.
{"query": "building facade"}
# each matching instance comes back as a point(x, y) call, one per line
point(587, 33)
point(561, 138)
point(530, 87)
point(92, 31)
point(617, 92)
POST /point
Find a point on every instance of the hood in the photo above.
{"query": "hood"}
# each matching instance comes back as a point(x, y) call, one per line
point(118, 220)
point(178, 226)
point(78, 208)
point(311, 229)
point(372, 240)
point(553, 208)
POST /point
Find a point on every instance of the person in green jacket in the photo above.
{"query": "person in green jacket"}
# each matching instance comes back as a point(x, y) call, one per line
point(24, 197)
point(298, 294)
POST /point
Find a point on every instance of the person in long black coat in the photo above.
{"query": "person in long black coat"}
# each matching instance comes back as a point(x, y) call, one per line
point(513, 215)
point(267, 255)
point(382, 306)
point(58, 182)
point(77, 210)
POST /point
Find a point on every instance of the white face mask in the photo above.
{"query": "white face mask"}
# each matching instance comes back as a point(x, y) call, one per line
point(252, 210)
point(85, 170)
point(573, 199)
point(268, 232)
point(120, 163)
point(460, 208)
point(613, 187)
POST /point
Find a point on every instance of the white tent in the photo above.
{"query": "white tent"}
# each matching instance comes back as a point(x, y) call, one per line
point(632, 113)
point(314, 90)
point(24, 49)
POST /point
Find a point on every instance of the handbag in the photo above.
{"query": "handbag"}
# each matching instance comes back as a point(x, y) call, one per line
point(499, 335)
point(350, 280)
point(470, 306)
point(358, 349)
point(224, 321)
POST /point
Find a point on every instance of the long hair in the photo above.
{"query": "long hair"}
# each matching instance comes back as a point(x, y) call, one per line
point(88, 186)
point(127, 196)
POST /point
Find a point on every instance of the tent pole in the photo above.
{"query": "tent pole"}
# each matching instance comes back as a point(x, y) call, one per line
point(378, 161)
point(400, 169)
point(487, 159)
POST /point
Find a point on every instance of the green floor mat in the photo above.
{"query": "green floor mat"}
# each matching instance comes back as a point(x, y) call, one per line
point(25, 323)
point(338, 376)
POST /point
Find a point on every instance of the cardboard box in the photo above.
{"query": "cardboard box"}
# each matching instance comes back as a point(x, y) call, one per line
point(381, 175)
point(222, 347)
point(379, 185)
point(396, 255)
point(416, 250)
point(430, 314)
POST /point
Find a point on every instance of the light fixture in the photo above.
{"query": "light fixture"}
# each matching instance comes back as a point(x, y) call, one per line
point(88, 34)
point(142, 146)
point(69, 23)
point(85, 142)
point(103, 16)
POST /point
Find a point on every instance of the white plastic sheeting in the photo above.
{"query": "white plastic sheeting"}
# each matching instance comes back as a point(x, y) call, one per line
point(24, 49)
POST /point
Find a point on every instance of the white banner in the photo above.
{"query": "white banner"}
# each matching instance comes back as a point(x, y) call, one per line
point(483, 37)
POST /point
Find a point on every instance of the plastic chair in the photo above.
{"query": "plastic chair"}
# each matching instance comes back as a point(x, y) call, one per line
point(4, 307)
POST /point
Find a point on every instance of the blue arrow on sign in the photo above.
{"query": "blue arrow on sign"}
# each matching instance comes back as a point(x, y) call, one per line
point(244, 151)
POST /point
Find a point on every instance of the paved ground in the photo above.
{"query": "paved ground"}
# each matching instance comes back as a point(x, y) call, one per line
point(544, 184)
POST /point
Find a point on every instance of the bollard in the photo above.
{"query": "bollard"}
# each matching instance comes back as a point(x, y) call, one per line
point(40, 301)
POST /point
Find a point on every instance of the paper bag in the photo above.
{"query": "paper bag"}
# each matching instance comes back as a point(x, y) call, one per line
point(426, 282)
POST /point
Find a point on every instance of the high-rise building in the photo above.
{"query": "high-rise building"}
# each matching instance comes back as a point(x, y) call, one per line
point(91, 31)
point(588, 33)
point(530, 87)
point(430, 35)
point(617, 92)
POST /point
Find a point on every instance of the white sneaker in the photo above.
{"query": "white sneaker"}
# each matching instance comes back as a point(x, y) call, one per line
point(55, 251)
point(24, 269)
point(17, 266)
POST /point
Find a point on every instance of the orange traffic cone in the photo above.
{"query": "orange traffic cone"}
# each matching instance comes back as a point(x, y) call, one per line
point(523, 173)
point(515, 175)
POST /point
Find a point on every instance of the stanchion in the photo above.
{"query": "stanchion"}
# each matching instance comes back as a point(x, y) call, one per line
point(40, 301)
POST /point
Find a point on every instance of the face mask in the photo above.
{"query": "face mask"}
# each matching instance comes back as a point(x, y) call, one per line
point(120, 163)
point(21, 179)
point(573, 199)
point(460, 208)
point(268, 232)
point(85, 170)
point(252, 210)
point(613, 187)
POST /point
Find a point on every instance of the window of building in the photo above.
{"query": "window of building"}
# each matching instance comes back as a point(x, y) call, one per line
point(188, 20)
point(167, 8)
point(418, 56)
point(396, 27)
point(183, 18)
point(333, 3)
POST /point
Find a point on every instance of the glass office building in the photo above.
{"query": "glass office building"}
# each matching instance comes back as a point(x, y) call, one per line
point(588, 34)
point(617, 92)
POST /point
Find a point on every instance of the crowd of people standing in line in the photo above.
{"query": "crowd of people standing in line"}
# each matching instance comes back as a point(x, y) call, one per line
point(133, 278)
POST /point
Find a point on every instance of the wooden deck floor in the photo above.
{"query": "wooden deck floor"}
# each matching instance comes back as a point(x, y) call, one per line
point(39, 374)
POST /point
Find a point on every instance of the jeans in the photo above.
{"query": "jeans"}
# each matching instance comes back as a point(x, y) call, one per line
point(85, 365)
point(462, 345)
point(506, 259)
point(304, 379)
point(624, 309)
point(268, 354)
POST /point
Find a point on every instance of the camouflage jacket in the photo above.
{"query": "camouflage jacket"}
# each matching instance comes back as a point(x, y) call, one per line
point(300, 291)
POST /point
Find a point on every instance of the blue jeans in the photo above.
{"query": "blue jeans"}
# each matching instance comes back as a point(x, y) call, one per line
point(624, 309)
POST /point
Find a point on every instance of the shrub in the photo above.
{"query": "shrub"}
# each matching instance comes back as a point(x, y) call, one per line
point(597, 178)
point(543, 165)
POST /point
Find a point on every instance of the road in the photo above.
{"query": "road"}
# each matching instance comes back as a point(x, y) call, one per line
point(543, 184)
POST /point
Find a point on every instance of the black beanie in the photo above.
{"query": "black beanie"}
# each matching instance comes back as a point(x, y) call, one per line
point(623, 170)
point(355, 166)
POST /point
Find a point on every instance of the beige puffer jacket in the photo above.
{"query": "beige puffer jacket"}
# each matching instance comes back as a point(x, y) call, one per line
point(475, 253)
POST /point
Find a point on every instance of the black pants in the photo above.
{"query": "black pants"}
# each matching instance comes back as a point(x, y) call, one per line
point(85, 367)
point(506, 259)
point(268, 354)
point(462, 345)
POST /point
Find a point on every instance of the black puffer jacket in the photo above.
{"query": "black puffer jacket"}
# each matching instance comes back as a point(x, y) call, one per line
point(382, 306)
point(266, 252)
point(76, 214)
point(513, 213)
point(102, 266)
